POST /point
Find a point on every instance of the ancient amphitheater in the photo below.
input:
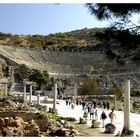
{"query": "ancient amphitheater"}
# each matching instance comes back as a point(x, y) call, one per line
point(74, 65)
point(68, 64)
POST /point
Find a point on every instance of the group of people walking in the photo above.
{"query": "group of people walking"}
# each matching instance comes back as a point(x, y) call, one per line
point(90, 109)
point(93, 113)
point(70, 102)
point(111, 116)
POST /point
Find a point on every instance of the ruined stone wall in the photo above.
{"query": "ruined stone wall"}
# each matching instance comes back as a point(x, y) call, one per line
point(41, 120)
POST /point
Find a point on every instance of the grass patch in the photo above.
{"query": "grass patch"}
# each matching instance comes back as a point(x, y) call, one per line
point(57, 117)
point(53, 116)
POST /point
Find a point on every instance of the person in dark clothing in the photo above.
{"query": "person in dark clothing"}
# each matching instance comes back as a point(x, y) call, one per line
point(77, 102)
point(104, 104)
point(70, 101)
point(95, 104)
point(89, 107)
point(67, 101)
point(108, 105)
point(83, 105)
point(103, 117)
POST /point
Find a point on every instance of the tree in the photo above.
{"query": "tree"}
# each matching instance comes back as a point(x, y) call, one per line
point(118, 92)
point(89, 87)
point(41, 78)
point(24, 72)
point(108, 11)
point(122, 30)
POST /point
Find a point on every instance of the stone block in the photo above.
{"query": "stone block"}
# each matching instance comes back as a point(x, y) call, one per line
point(82, 121)
point(110, 128)
point(95, 124)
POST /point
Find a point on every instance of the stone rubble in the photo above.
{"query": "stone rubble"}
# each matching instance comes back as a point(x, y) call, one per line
point(23, 120)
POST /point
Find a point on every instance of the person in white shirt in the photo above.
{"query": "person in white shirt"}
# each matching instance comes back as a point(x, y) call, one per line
point(91, 113)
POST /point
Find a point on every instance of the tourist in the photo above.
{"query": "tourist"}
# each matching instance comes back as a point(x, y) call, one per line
point(104, 105)
point(112, 116)
point(96, 114)
point(77, 101)
point(103, 117)
point(85, 112)
point(95, 104)
point(108, 105)
point(80, 101)
point(83, 104)
point(91, 113)
point(89, 107)
point(72, 105)
point(67, 101)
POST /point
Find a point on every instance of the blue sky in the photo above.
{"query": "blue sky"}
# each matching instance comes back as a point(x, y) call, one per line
point(45, 18)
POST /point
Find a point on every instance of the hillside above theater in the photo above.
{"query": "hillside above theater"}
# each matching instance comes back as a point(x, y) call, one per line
point(77, 39)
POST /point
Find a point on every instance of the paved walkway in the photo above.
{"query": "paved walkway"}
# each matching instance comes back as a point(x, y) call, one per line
point(77, 112)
